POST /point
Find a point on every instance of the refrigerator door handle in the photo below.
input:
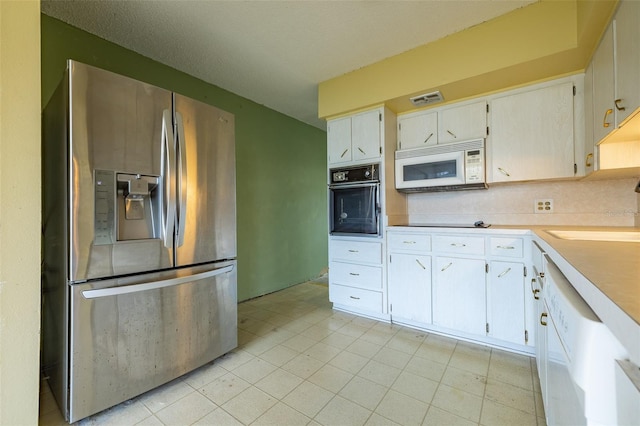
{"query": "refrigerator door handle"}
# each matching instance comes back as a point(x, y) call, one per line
point(182, 170)
point(169, 161)
point(116, 291)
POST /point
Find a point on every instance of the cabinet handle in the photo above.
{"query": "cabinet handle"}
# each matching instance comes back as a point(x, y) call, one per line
point(353, 251)
point(458, 245)
point(428, 137)
point(587, 162)
point(506, 247)
point(420, 263)
point(360, 149)
point(345, 151)
point(452, 134)
point(505, 272)
point(535, 291)
point(618, 107)
point(503, 171)
point(354, 274)
point(604, 120)
point(543, 315)
point(408, 242)
point(357, 298)
point(446, 267)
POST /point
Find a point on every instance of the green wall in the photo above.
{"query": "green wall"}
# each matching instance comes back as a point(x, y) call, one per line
point(281, 162)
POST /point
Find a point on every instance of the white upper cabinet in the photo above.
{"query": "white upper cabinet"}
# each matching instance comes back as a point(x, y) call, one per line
point(339, 140)
point(616, 63)
point(354, 138)
point(532, 135)
point(627, 59)
point(417, 130)
point(463, 122)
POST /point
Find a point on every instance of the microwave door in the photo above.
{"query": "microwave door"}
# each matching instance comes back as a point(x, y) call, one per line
point(430, 170)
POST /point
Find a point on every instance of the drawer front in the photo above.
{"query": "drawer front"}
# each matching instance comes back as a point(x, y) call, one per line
point(408, 242)
point(369, 277)
point(508, 247)
point(458, 244)
point(356, 298)
point(356, 251)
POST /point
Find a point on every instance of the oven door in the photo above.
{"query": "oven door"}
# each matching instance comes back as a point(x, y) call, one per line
point(355, 209)
point(430, 170)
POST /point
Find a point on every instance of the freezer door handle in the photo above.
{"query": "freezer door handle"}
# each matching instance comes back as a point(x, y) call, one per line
point(168, 164)
point(117, 291)
point(182, 188)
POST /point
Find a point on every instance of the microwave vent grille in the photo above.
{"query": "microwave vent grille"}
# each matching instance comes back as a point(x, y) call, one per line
point(440, 149)
point(427, 98)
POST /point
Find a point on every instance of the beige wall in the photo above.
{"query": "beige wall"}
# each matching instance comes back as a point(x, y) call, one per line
point(588, 203)
point(19, 211)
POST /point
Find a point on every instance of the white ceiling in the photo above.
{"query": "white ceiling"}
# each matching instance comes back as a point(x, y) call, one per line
point(274, 52)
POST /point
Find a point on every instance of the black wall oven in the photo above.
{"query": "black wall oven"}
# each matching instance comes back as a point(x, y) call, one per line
point(354, 201)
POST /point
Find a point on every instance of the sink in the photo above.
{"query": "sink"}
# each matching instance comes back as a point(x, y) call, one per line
point(620, 236)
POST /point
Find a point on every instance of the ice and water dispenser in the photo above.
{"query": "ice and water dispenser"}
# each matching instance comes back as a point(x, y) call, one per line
point(127, 207)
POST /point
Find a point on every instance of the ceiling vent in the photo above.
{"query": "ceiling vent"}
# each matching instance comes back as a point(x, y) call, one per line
point(427, 98)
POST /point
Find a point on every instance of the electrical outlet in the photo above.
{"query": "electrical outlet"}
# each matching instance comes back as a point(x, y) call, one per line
point(543, 205)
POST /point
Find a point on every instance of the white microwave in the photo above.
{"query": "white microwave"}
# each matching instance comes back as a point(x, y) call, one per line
point(446, 167)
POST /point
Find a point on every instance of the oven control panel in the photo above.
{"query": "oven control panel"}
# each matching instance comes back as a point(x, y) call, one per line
point(368, 173)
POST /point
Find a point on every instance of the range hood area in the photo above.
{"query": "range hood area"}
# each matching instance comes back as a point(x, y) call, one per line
point(619, 151)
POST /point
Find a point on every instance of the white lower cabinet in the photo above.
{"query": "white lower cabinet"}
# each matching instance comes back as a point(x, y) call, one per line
point(459, 294)
point(505, 302)
point(356, 276)
point(467, 284)
point(409, 287)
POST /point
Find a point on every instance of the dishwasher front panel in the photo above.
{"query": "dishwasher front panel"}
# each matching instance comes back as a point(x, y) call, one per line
point(133, 334)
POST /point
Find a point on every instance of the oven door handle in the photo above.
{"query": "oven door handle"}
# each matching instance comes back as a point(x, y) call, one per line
point(354, 185)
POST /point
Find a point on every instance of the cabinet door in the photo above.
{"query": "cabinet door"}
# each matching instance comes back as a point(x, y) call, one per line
point(505, 302)
point(603, 87)
point(459, 298)
point(462, 123)
point(409, 287)
point(532, 135)
point(365, 135)
point(627, 54)
point(339, 140)
point(417, 131)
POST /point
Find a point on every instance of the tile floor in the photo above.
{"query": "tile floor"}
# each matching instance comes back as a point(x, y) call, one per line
point(301, 363)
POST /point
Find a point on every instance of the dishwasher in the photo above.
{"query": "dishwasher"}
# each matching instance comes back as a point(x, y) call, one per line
point(580, 359)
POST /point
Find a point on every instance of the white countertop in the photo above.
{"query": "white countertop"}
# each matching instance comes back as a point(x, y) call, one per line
point(605, 273)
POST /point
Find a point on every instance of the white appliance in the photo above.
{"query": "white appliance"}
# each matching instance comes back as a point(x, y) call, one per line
point(580, 360)
point(445, 167)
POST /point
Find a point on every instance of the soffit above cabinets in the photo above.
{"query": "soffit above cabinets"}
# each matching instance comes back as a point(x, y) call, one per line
point(538, 42)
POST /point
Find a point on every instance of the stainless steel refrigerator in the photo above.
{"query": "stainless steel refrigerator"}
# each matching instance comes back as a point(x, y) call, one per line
point(139, 238)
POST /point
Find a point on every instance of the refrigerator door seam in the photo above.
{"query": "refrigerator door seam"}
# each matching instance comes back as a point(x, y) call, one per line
point(115, 291)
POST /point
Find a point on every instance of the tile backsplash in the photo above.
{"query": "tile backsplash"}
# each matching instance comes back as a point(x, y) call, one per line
point(583, 203)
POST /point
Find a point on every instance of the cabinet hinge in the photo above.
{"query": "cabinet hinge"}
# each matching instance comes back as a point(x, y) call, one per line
point(390, 307)
point(526, 336)
point(487, 328)
point(525, 271)
point(486, 268)
point(575, 168)
point(380, 150)
point(574, 90)
point(487, 130)
point(389, 258)
point(487, 108)
point(380, 115)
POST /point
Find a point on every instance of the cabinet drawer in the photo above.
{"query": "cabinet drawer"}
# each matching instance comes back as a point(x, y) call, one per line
point(409, 242)
point(458, 244)
point(508, 247)
point(369, 277)
point(356, 251)
point(355, 297)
